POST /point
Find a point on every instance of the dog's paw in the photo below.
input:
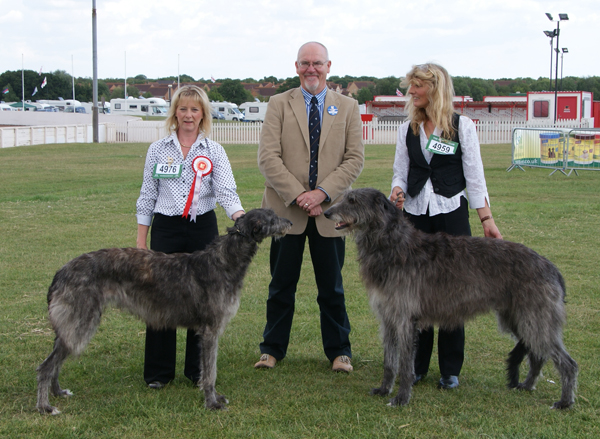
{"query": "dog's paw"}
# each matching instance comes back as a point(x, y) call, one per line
point(216, 406)
point(49, 410)
point(65, 393)
point(219, 403)
point(398, 401)
point(523, 386)
point(381, 391)
point(561, 405)
point(222, 399)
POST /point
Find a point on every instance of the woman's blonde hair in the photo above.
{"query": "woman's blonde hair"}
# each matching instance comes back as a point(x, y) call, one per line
point(440, 94)
point(200, 98)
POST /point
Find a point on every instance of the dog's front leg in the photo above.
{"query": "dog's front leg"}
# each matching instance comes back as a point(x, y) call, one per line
point(390, 357)
point(406, 365)
point(208, 361)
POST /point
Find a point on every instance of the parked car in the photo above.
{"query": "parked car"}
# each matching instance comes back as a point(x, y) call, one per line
point(217, 115)
point(77, 110)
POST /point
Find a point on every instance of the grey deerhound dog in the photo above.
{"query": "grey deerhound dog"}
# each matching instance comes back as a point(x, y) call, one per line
point(415, 280)
point(200, 290)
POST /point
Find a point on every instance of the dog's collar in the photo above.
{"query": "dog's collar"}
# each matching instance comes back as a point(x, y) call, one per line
point(238, 231)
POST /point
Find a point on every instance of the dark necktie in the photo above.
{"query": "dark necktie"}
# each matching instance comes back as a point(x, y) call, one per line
point(314, 130)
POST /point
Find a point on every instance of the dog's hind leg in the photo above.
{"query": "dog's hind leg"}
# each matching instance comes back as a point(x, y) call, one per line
point(48, 378)
point(208, 363)
point(536, 363)
point(515, 358)
point(568, 369)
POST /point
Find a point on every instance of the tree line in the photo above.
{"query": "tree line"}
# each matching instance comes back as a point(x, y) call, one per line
point(60, 84)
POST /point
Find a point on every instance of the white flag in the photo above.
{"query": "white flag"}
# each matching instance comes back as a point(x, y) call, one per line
point(44, 82)
point(34, 92)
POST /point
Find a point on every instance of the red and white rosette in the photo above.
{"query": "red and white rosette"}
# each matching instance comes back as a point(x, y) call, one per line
point(201, 166)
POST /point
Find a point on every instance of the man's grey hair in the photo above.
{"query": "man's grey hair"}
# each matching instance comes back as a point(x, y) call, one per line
point(314, 42)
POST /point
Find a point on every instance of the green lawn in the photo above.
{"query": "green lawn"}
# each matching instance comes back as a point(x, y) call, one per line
point(59, 201)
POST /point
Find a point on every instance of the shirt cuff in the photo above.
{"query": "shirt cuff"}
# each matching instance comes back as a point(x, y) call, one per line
point(327, 197)
point(144, 220)
point(477, 201)
point(233, 209)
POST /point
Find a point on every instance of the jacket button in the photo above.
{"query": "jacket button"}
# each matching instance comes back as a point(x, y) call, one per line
point(437, 189)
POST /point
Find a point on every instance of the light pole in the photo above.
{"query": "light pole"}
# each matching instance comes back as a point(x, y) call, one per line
point(550, 34)
point(564, 50)
point(561, 17)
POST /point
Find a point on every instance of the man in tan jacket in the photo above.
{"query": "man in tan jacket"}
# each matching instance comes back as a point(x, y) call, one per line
point(310, 152)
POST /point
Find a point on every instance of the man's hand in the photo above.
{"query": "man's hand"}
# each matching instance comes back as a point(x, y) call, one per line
point(311, 201)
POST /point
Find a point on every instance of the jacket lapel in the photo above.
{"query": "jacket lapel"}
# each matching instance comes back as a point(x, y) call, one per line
point(330, 99)
point(299, 109)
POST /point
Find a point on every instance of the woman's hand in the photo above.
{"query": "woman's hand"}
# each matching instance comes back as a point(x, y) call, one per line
point(237, 214)
point(398, 197)
point(142, 237)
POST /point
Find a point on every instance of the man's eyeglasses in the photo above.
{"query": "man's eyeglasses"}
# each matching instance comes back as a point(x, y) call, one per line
point(306, 64)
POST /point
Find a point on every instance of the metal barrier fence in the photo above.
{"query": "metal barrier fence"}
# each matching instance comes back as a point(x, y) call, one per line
point(41, 135)
point(559, 149)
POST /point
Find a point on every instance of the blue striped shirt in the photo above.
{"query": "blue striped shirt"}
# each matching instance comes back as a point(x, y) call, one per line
point(321, 105)
point(320, 99)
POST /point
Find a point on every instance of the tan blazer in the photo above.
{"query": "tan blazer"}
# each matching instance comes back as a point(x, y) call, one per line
point(284, 155)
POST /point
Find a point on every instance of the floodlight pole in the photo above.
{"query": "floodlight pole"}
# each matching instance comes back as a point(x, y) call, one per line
point(95, 75)
point(550, 34)
point(560, 18)
point(564, 50)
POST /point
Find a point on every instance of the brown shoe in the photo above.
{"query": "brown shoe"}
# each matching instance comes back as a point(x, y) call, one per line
point(342, 364)
point(266, 362)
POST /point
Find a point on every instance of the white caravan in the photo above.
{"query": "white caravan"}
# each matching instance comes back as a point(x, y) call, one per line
point(61, 104)
point(227, 109)
point(139, 107)
point(254, 111)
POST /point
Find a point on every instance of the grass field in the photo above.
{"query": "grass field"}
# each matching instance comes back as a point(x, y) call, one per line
point(59, 201)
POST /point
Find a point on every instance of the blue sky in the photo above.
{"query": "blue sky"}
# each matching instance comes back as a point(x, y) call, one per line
point(239, 39)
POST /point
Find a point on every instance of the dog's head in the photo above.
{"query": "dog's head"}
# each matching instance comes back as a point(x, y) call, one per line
point(258, 224)
point(361, 208)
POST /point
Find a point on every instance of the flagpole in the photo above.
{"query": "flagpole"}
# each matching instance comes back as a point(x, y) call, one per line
point(95, 76)
point(73, 78)
point(22, 83)
point(125, 94)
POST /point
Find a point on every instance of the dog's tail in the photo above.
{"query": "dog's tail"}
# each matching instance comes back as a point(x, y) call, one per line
point(563, 286)
point(53, 287)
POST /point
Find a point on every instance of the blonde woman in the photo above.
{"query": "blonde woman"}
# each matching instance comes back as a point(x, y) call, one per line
point(186, 174)
point(436, 168)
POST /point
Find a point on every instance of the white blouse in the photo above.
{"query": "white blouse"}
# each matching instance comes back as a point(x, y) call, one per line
point(427, 198)
point(168, 196)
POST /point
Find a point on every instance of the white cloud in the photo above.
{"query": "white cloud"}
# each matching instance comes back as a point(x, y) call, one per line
point(240, 39)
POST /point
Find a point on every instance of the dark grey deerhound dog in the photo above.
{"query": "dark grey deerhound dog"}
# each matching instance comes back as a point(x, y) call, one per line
point(415, 280)
point(199, 290)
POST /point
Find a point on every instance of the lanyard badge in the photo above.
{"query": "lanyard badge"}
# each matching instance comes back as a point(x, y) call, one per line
point(438, 145)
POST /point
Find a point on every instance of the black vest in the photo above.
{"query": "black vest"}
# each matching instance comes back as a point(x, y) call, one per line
point(445, 171)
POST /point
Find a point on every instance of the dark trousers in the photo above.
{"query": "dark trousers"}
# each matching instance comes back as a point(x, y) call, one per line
point(327, 256)
point(174, 234)
point(451, 344)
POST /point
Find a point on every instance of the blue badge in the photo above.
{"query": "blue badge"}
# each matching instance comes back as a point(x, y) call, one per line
point(332, 110)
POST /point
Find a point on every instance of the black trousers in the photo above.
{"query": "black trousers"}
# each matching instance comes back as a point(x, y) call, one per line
point(327, 256)
point(174, 234)
point(451, 344)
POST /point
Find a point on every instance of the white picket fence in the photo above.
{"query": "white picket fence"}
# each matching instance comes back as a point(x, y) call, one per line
point(488, 131)
point(374, 132)
point(238, 133)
